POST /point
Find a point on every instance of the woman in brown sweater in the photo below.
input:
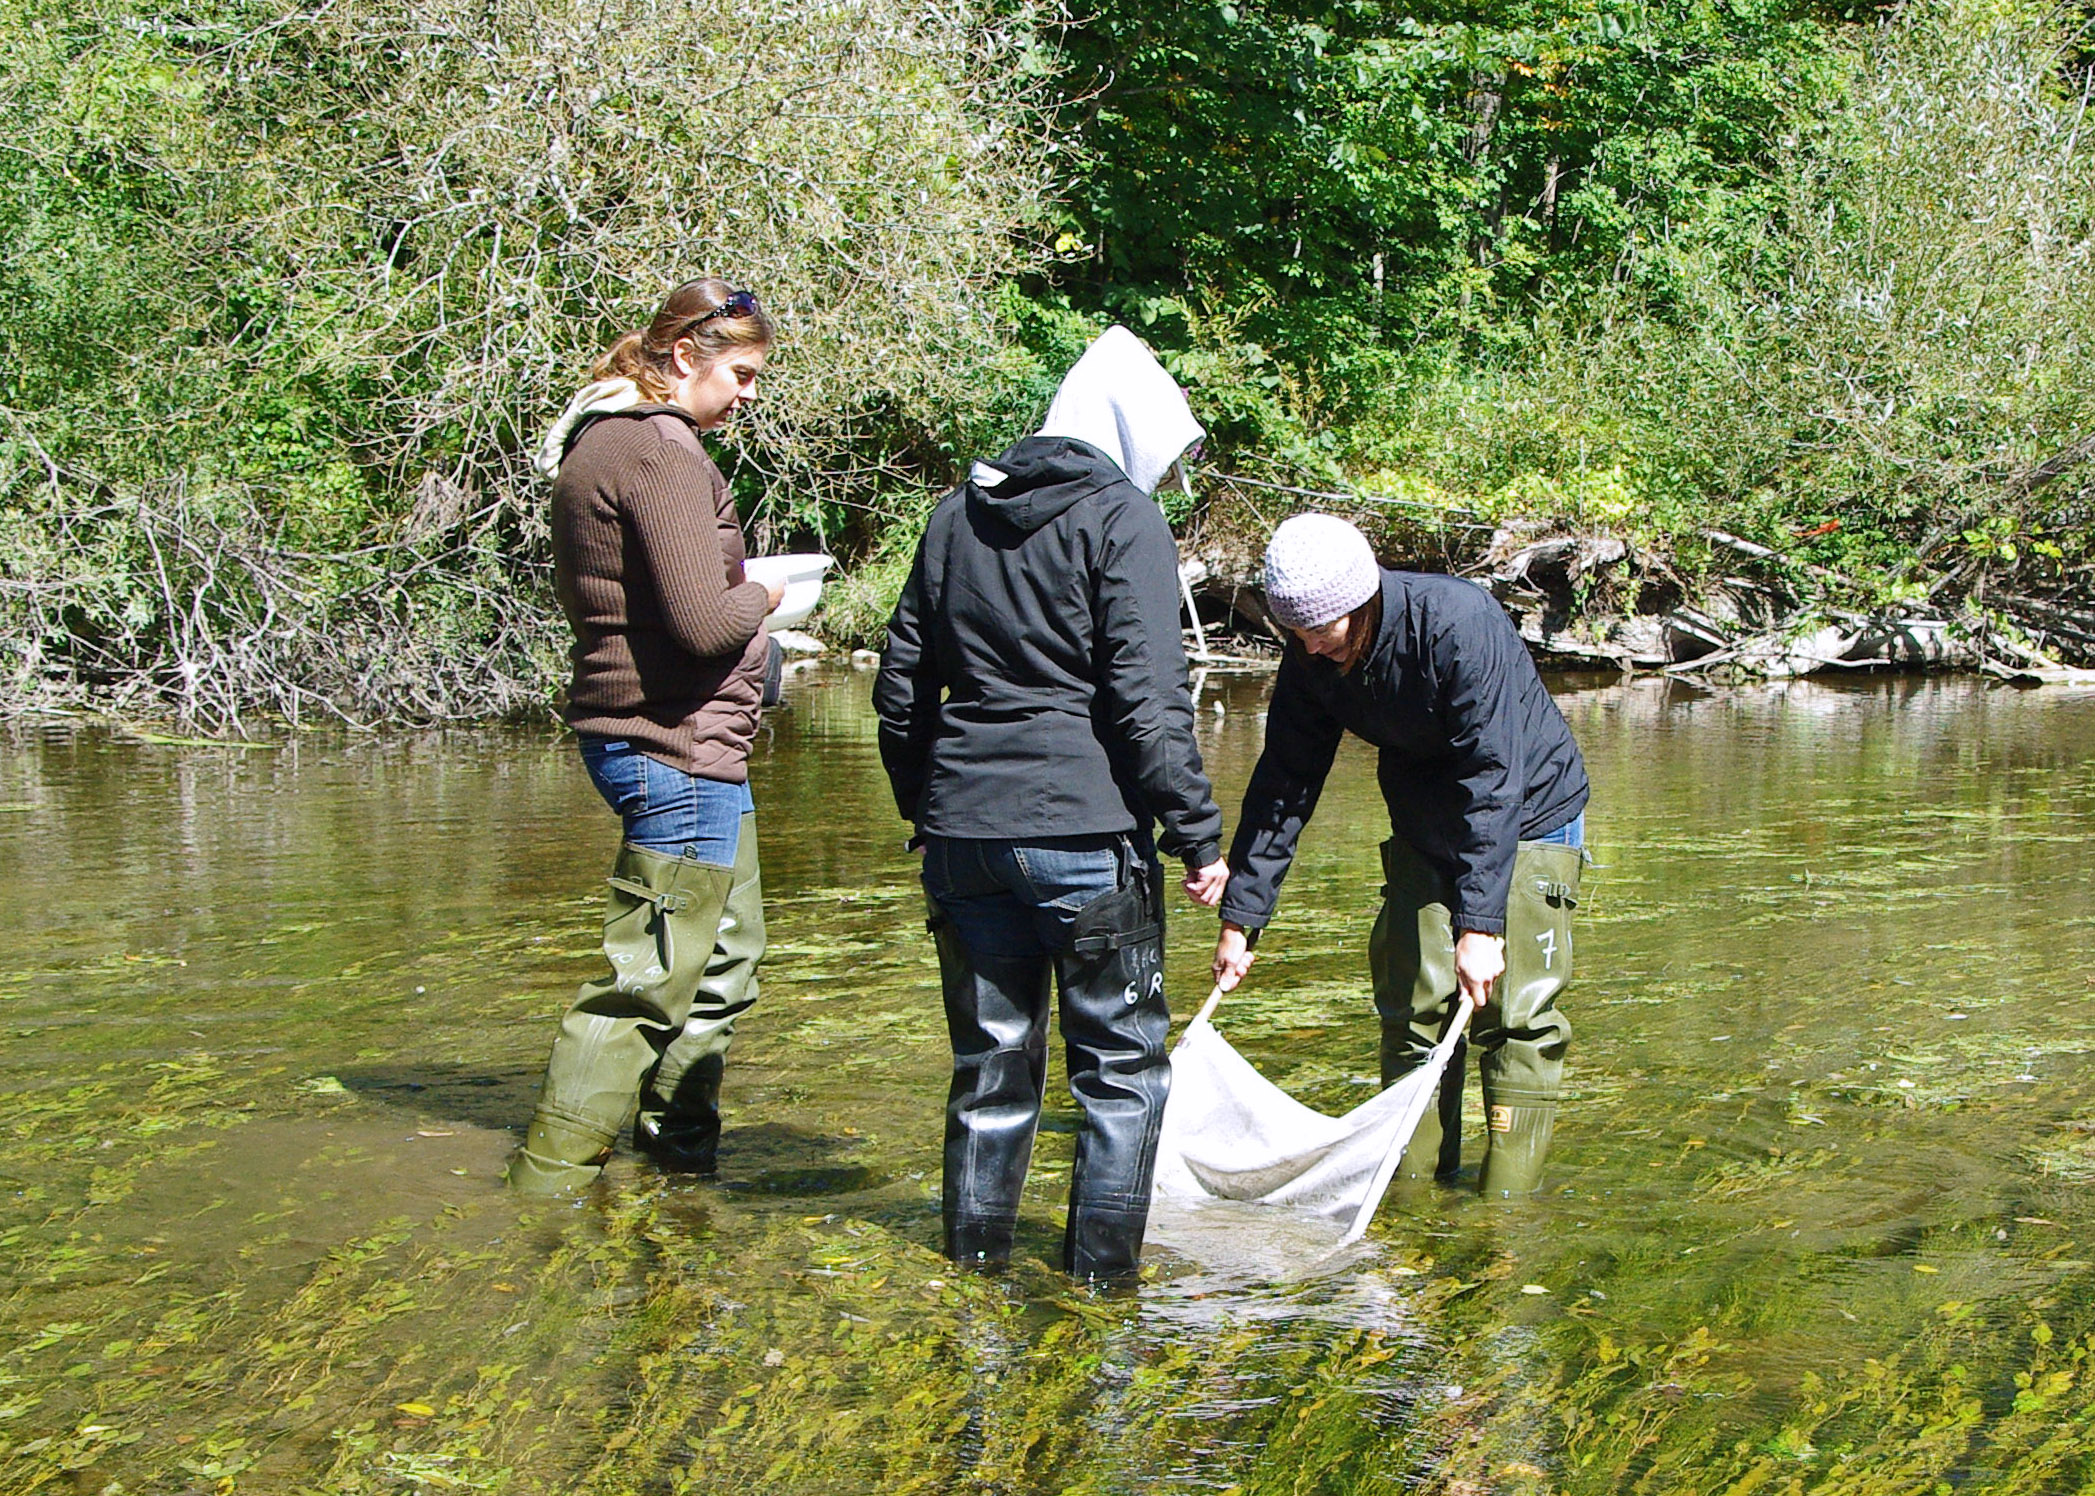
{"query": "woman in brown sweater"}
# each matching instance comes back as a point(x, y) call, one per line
point(669, 660)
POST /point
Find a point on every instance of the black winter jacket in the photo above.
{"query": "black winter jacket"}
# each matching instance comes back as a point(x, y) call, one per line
point(1475, 756)
point(1034, 682)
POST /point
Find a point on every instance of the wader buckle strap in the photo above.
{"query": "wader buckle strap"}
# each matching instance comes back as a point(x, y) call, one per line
point(1557, 893)
point(671, 901)
point(1114, 940)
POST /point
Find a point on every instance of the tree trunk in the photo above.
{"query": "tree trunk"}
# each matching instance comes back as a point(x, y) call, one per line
point(1487, 94)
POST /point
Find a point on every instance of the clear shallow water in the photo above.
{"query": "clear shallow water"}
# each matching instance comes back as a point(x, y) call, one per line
point(1817, 1219)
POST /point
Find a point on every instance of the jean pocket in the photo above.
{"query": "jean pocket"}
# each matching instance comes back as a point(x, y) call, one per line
point(687, 815)
point(619, 774)
point(1068, 878)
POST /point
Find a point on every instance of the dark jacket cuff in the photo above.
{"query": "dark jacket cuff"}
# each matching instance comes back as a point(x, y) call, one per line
point(1196, 858)
point(1482, 924)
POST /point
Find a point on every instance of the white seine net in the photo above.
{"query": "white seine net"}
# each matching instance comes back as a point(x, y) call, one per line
point(1231, 1134)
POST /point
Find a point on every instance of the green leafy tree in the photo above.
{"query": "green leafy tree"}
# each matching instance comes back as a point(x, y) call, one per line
point(1340, 184)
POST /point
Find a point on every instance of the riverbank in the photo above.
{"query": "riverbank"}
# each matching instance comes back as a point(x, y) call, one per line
point(1703, 602)
point(224, 632)
point(1770, 324)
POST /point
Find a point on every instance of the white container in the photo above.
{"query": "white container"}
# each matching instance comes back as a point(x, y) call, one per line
point(800, 575)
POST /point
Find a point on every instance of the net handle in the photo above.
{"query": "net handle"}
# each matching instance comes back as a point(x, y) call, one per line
point(1400, 1138)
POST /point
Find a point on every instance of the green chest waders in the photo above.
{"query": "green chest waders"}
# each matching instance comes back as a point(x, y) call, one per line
point(679, 1121)
point(1520, 1036)
point(659, 929)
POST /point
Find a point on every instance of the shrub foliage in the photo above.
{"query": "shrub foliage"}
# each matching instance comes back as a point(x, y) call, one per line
point(297, 292)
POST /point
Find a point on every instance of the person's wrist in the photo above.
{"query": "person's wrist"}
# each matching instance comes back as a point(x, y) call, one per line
point(1231, 927)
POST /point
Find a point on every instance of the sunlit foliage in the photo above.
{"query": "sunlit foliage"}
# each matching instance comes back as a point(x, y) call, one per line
point(323, 276)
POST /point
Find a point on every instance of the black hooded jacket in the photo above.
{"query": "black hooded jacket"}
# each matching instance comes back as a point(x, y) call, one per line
point(1475, 756)
point(1034, 682)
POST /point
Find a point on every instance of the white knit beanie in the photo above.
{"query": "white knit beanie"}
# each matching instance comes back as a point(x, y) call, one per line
point(1318, 568)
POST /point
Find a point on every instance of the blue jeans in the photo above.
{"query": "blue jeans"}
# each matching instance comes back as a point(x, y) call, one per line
point(1010, 900)
point(664, 809)
point(1571, 834)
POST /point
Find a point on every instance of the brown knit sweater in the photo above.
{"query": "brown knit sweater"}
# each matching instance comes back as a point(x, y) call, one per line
point(647, 556)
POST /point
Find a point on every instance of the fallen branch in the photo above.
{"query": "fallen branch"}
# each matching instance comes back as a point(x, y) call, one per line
point(2054, 467)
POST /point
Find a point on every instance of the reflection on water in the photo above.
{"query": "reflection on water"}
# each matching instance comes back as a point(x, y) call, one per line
point(1816, 1221)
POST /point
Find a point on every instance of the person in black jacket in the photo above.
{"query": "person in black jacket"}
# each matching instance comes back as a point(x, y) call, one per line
point(1035, 723)
point(1486, 794)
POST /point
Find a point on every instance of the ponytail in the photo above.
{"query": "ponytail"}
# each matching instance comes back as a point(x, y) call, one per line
point(693, 312)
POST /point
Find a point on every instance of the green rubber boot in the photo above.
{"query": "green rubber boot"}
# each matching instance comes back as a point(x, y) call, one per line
point(1517, 1143)
point(558, 1157)
point(1521, 1034)
point(658, 936)
point(1411, 957)
point(679, 1121)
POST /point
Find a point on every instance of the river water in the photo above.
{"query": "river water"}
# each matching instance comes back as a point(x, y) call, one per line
point(1818, 1217)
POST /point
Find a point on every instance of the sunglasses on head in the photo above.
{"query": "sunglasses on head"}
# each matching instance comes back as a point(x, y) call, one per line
point(738, 304)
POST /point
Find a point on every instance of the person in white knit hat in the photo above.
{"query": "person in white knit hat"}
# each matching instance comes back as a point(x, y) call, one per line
point(1486, 794)
point(1318, 569)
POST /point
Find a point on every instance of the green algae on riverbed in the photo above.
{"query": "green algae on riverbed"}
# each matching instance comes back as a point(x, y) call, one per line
point(1816, 1225)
